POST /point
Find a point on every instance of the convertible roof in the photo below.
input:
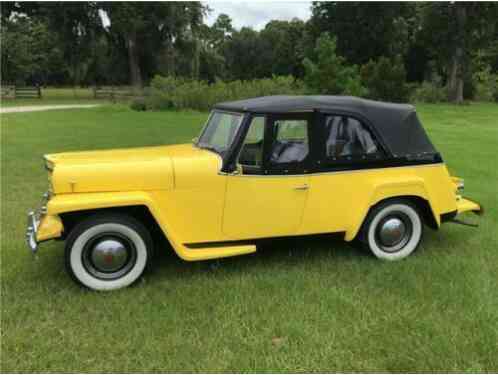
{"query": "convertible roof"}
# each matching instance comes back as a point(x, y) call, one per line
point(397, 124)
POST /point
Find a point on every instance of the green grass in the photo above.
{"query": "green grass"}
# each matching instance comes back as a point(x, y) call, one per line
point(296, 306)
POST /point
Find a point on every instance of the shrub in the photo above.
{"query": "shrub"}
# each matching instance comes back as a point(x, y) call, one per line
point(179, 93)
point(385, 79)
point(486, 85)
point(430, 92)
point(330, 74)
point(138, 104)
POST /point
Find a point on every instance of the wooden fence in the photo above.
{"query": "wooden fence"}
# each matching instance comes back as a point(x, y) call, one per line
point(17, 92)
point(116, 93)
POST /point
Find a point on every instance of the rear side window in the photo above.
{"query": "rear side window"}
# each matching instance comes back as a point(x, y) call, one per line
point(346, 137)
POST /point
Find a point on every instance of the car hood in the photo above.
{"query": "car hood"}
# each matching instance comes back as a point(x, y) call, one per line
point(129, 169)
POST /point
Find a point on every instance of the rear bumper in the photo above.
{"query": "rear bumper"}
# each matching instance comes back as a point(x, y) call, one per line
point(465, 205)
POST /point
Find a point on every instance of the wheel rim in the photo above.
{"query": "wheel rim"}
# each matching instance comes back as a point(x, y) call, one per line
point(109, 256)
point(393, 232)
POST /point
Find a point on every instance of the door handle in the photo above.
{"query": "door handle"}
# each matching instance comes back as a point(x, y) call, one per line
point(302, 187)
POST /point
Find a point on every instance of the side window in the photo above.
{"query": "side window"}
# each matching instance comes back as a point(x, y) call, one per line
point(346, 137)
point(290, 142)
point(251, 153)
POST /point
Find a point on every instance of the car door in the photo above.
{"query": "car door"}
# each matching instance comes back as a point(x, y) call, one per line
point(347, 158)
point(266, 198)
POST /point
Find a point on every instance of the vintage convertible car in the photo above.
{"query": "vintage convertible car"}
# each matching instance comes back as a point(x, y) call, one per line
point(265, 167)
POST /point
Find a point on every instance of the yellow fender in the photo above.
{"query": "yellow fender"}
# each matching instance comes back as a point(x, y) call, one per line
point(88, 201)
point(390, 189)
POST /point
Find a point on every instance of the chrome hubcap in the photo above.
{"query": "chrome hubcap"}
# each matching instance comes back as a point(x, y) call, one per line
point(109, 255)
point(392, 232)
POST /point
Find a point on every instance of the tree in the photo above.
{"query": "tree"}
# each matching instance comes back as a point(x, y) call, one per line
point(454, 32)
point(212, 40)
point(385, 79)
point(74, 27)
point(365, 31)
point(283, 40)
point(30, 52)
point(158, 24)
point(245, 56)
point(329, 74)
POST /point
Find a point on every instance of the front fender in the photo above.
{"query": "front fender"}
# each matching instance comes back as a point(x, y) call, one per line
point(63, 203)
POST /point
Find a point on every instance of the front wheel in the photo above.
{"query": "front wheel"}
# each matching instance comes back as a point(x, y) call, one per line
point(108, 251)
point(392, 230)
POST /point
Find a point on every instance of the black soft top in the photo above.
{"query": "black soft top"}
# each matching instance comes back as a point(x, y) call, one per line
point(397, 124)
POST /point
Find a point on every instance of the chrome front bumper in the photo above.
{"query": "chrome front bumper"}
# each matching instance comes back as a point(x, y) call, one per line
point(31, 230)
point(34, 219)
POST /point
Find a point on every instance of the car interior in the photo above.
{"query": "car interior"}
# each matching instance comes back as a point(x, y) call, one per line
point(347, 137)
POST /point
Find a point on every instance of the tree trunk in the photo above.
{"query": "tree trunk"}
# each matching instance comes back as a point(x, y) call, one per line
point(456, 72)
point(135, 73)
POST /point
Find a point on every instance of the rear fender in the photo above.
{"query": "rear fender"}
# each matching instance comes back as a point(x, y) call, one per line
point(413, 187)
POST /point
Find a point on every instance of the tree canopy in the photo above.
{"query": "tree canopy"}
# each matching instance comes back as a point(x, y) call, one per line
point(454, 44)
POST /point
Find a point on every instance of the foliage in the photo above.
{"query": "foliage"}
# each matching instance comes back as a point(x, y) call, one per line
point(179, 93)
point(282, 41)
point(73, 45)
point(330, 74)
point(453, 32)
point(486, 84)
point(158, 26)
point(385, 79)
point(429, 92)
point(138, 104)
point(30, 52)
point(366, 31)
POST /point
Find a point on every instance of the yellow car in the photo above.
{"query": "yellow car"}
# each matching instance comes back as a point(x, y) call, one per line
point(265, 167)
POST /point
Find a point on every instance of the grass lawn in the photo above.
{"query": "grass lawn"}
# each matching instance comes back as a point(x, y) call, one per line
point(315, 305)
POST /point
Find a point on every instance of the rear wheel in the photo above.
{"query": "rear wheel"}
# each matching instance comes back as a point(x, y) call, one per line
point(392, 230)
point(108, 251)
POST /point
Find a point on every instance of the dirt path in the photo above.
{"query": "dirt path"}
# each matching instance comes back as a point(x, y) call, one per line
point(33, 108)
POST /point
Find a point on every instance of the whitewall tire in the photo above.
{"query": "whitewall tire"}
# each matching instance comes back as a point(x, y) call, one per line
point(108, 251)
point(392, 230)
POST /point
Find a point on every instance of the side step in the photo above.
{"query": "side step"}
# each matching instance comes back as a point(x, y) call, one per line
point(193, 253)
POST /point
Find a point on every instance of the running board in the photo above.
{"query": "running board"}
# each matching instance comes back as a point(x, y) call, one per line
point(213, 252)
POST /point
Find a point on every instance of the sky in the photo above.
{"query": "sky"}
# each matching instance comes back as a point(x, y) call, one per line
point(257, 13)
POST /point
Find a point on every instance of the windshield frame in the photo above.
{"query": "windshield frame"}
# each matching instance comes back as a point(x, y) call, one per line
point(235, 137)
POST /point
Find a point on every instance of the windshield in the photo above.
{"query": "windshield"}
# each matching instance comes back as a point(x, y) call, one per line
point(220, 131)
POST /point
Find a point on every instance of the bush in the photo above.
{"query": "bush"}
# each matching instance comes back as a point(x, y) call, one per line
point(138, 104)
point(330, 74)
point(179, 93)
point(430, 92)
point(486, 85)
point(385, 79)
